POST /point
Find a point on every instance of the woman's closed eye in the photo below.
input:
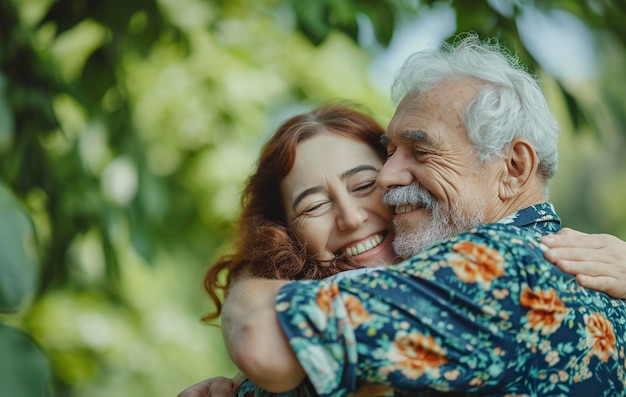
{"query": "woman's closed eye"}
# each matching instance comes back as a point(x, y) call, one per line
point(315, 208)
point(365, 188)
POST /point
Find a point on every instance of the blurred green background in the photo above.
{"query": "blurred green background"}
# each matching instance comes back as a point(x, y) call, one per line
point(128, 127)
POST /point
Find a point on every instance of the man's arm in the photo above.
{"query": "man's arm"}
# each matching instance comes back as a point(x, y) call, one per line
point(254, 338)
point(597, 260)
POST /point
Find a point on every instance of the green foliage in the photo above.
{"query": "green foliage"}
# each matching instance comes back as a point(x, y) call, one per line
point(127, 128)
point(319, 19)
point(17, 265)
point(24, 369)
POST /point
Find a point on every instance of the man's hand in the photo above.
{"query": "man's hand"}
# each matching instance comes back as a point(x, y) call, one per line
point(219, 386)
point(597, 260)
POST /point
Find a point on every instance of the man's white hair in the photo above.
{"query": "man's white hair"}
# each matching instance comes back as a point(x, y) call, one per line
point(509, 105)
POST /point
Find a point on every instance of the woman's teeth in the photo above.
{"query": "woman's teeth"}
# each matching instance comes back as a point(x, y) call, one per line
point(364, 245)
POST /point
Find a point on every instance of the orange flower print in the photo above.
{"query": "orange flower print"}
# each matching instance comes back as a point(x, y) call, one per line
point(500, 293)
point(413, 354)
point(547, 311)
point(600, 336)
point(476, 263)
point(356, 312)
point(452, 375)
point(325, 297)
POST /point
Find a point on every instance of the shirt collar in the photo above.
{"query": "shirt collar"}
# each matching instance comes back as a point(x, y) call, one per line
point(541, 218)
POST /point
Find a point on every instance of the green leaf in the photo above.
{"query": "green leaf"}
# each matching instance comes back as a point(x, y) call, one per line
point(382, 17)
point(312, 18)
point(24, 369)
point(18, 268)
point(576, 111)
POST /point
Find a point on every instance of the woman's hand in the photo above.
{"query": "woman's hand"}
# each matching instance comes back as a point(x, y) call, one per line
point(219, 386)
point(253, 336)
point(597, 260)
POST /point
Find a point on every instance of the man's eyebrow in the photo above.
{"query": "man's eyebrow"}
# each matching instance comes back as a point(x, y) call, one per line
point(416, 136)
point(413, 136)
point(344, 175)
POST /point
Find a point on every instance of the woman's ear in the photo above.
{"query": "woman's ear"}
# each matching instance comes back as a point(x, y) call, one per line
point(520, 172)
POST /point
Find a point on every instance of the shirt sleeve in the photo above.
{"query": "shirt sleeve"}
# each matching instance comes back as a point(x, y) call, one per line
point(440, 320)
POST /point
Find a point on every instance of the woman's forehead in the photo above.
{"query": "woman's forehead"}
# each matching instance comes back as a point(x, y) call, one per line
point(331, 150)
point(324, 157)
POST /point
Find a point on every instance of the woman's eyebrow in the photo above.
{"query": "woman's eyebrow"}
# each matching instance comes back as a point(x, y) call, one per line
point(356, 170)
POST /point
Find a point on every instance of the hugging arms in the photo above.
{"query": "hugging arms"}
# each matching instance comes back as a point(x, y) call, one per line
point(442, 176)
point(597, 260)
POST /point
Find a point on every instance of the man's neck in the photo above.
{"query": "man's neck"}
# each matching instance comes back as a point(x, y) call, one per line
point(512, 206)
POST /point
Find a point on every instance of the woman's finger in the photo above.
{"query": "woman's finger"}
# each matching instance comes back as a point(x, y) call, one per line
point(609, 285)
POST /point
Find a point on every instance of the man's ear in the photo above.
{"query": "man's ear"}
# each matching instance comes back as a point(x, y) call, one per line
point(520, 171)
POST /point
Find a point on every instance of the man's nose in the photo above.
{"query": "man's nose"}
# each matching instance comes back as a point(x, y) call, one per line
point(395, 171)
point(351, 215)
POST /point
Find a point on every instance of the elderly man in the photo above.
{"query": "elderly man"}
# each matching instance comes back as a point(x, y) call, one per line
point(476, 309)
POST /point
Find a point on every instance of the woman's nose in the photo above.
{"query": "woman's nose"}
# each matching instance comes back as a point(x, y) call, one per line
point(350, 215)
point(394, 172)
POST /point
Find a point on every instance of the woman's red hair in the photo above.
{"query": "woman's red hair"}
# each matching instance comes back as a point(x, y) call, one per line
point(265, 246)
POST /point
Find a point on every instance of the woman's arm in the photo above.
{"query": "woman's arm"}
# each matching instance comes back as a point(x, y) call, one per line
point(597, 260)
point(254, 338)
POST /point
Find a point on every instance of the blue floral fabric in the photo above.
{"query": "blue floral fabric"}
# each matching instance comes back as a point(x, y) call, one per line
point(481, 313)
point(249, 389)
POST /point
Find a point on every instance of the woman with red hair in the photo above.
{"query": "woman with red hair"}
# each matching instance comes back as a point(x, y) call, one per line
point(312, 208)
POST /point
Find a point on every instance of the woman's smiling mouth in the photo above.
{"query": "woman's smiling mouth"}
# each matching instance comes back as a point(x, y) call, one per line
point(364, 245)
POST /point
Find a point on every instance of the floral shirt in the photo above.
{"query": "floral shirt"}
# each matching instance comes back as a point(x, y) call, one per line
point(249, 389)
point(482, 313)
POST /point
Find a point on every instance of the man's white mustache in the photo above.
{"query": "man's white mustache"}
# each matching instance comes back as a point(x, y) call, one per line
point(413, 194)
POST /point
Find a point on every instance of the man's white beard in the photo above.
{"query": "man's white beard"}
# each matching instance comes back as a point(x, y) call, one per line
point(410, 239)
